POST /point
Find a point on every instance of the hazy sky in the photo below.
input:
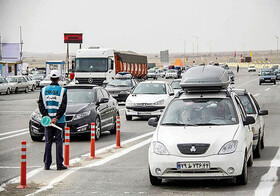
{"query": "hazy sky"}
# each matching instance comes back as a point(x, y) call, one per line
point(143, 26)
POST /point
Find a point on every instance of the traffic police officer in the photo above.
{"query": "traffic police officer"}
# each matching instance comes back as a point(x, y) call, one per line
point(52, 103)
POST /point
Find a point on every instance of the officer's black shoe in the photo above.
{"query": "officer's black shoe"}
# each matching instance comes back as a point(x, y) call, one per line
point(46, 168)
point(62, 167)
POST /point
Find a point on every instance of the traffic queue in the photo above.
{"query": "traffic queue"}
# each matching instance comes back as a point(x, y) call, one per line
point(204, 127)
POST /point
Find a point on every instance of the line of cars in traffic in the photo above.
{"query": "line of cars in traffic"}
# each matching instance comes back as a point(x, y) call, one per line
point(202, 123)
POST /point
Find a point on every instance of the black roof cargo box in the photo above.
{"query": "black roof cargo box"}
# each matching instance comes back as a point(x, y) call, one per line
point(205, 78)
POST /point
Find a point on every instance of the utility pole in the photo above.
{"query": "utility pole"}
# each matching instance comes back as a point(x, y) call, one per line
point(21, 44)
point(196, 37)
point(277, 48)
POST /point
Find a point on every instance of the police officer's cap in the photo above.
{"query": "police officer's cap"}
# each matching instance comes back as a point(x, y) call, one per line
point(54, 74)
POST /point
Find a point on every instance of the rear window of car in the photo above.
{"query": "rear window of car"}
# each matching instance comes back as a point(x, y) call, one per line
point(247, 103)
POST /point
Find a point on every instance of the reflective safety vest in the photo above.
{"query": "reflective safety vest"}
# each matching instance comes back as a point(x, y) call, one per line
point(52, 96)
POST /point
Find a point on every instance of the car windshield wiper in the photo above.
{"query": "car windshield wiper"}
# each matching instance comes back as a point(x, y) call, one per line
point(207, 124)
point(174, 124)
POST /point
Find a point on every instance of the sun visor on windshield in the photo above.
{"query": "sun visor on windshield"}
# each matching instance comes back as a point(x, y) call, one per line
point(123, 75)
point(205, 78)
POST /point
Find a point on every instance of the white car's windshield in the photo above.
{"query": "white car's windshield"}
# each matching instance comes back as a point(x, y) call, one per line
point(176, 85)
point(171, 71)
point(200, 111)
point(150, 88)
point(151, 71)
point(120, 82)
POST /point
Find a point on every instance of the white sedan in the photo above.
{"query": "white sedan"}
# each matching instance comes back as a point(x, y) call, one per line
point(171, 73)
point(148, 99)
point(202, 137)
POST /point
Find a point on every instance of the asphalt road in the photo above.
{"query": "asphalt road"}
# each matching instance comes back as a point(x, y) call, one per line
point(125, 171)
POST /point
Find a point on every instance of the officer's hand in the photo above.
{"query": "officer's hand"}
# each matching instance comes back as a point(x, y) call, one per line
point(53, 121)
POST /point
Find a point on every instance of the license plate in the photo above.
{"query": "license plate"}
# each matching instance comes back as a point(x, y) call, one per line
point(144, 113)
point(193, 165)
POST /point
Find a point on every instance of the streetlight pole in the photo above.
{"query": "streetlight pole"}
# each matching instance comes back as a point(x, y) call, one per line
point(277, 48)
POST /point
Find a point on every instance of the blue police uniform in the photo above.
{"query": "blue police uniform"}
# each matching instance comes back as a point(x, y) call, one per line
point(52, 103)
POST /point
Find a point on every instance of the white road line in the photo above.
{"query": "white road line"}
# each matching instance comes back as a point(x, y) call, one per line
point(256, 94)
point(74, 160)
point(11, 132)
point(95, 164)
point(16, 167)
point(270, 178)
point(267, 89)
point(3, 138)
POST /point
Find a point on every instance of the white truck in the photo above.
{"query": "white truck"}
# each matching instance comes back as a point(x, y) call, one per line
point(99, 65)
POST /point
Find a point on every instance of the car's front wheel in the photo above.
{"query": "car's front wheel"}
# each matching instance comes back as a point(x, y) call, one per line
point(97, 128)
point(33, 88)
point(26, 89)
point(243, 178)
point(128, 117)
point(37, 138)
point(257, 151)
point(155, 181)
point(260, 83)
point(8, 91)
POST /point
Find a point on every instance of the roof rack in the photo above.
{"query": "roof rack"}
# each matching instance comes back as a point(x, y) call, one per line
point(205, 79)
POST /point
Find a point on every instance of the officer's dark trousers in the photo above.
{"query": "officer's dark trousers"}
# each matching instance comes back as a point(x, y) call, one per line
point(53, 134)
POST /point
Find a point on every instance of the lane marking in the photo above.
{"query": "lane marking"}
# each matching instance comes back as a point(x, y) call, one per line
point(3, 138)
point(95, 164)
point(256, 94)
point(270, 178)
point(267, 89)
point(72, 161)
point(16, 167)
point(8, 133)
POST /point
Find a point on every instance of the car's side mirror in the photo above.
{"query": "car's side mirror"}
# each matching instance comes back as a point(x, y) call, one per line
point(263, 112)
point(249, 120)
point(153, 121)
point(171, 94)
point(102, 100)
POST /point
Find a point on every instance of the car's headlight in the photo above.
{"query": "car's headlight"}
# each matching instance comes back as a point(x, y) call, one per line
point(36, 116)
point(129, 103)
point(160, 102)
point(160, 149)
point(81, 115)
point(229, 147)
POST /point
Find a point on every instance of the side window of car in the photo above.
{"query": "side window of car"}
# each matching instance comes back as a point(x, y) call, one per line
point(99, 94)
point(105, 93)
point(256, 103)
point(240, 107)
point(170, 89)
point(1, 81)
point(23, 80)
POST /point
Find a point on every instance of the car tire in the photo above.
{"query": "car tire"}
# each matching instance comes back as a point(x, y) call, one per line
point(128, 117)
point(260, 83)
point(251, 159)
point(155, 181)
point(257, 151)
point(262, 141)
point(97, 128)
point(33, 88)
point(8, 91)
point(26, 89)
point(114, 129)
point(275, 82)
point(243, 178)
point(16, 90)
point(37, 138)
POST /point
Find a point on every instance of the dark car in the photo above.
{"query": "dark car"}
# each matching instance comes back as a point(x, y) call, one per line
point(121, 86)
point(86, 104)
point(277, 74)
point(267, 76)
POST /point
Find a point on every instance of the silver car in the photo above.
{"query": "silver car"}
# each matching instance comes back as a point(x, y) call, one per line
point(18, 83)
point(5, 87)
point(31, 83)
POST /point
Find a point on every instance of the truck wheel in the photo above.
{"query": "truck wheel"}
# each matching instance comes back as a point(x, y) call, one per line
point(155, 181)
